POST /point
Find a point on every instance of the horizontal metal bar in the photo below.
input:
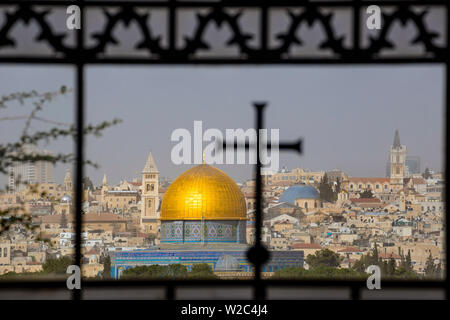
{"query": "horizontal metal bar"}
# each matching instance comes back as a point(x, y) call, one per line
point(138, 283)
point(231, 3)
point(222, 61)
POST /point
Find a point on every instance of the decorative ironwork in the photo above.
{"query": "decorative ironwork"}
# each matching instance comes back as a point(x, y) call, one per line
point(163, 48)
point(342, 47)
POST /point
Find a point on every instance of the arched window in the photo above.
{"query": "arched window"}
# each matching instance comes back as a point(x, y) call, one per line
point(148, 187)
point(152, 187)
point(306, 205)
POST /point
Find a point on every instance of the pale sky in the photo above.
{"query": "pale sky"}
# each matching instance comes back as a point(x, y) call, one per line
point(346, 115)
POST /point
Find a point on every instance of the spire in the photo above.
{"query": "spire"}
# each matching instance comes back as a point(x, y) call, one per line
point(150, 166)
point(104, 182)
point(397, 140)
point(67, 177)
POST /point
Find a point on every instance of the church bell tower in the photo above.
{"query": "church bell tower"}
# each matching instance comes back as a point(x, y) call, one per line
point(397, 160)
point(68, 185)
point(149, 200)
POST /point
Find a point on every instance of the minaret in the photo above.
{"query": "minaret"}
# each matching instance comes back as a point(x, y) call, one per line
point(149, 200)
point(397, 159)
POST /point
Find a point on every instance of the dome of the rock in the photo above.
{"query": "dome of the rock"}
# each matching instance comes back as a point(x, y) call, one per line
point(203, 198)
point(203, 192)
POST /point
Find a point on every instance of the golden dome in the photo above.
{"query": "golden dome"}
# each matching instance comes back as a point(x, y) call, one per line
point(203, 192)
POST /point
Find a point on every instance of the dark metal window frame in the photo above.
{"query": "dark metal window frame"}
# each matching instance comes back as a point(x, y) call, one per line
point(81, 56)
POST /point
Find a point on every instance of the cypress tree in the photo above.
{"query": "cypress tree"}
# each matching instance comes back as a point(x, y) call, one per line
point(63, 221)
point(429, 267)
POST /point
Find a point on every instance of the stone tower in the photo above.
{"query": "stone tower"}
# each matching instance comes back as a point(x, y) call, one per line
point(68, 185)
point(104, 181)
point(104, 192)
point(397, 159)
point(149, 200)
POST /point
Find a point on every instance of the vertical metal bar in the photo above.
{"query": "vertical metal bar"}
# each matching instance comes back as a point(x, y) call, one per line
point(79, 89)
point(172, 25)
point(259, 293)
point(447, 166)
point(264, 27)
point(355, 292)
point(170, 292)
point(356, 25)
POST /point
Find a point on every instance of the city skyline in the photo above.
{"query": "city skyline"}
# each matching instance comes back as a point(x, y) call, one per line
point(337, 131)
point(281, 169)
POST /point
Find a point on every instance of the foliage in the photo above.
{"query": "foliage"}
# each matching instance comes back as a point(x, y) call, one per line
point(63, 222)
point(326, 190)
point(176, 271)
point(323, 265)
point(407, 263)
point(49, 267)
point(87, 184)
point(172, 271)
point(106, 267)
point(13, 275)
point(389, 268)
point(201, 271)
point(321, 272)
point(337, 188)
point(58, 266)
point(426, 174)
point(432, 270)
point(323, 258)
point(15, 152)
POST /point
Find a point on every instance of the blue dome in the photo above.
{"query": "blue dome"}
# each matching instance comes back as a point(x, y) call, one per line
point(299, 192)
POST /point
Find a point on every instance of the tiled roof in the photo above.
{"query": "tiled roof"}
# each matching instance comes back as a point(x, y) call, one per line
point(372, 180)
point(88, 217)
point(419, 181)
point(101, 217)
point(297, 245)
point(350, 249)
point(388, 255)
point(365, 200)
point(93, 251)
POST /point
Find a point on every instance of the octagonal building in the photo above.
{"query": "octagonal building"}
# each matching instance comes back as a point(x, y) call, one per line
point(203, 205)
